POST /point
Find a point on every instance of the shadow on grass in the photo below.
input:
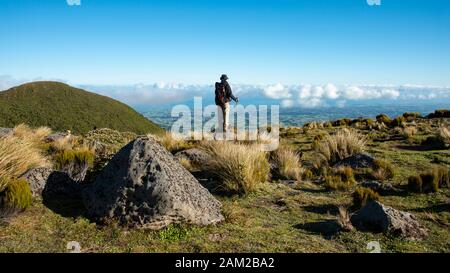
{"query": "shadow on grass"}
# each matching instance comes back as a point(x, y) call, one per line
point(313, 190)
point(211, 184)
point(444, 207)
point(322, 209)
point(418, 148)
point(326, 228)
point(62, 195)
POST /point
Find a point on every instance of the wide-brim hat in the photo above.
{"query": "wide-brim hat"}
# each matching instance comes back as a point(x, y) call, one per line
point(224, 77)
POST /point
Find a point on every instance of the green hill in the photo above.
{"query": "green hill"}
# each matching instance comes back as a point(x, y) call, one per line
point(62, 107)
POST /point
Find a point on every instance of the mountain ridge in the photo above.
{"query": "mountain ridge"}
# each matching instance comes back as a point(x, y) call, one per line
point(63, 107)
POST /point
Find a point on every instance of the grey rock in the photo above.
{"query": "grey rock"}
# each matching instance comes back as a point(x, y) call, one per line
point(37, 178)
point(357, 161)
point(56, 136)
point(5, 132)
point(383, 188)
point(144, 186)
point(377, 217)
point(195, 156)
point(76, 170)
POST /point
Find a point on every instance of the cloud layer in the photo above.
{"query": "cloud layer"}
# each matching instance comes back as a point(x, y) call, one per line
point(305, 95)
point(301, 95)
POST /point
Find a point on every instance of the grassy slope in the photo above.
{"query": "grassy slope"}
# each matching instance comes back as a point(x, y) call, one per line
point(276, 218)
point(63, 107)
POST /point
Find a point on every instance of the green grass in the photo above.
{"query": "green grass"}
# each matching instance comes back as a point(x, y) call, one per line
point(277, 217)
point(62, 107)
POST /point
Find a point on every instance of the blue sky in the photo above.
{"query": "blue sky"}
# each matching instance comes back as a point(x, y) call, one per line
point(255, 41)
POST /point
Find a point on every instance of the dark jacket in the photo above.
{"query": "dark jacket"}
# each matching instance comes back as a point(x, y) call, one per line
point(228, 93)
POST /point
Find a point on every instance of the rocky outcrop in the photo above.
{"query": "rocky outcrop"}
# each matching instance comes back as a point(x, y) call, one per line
point(377, 217)
point(357, 161)
point(144, 186)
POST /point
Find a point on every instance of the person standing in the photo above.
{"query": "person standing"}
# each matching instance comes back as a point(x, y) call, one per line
point(224, 95)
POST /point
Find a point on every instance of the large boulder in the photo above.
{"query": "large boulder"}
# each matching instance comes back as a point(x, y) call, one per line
point(144, 186)
point(195, 156)
point(357, 161)
point(37, 178)
point(377, 217)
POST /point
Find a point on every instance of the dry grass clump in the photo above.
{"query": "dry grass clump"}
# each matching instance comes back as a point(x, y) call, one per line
point(63, 144)
point(186, 163)
point(382, 170)
point(18, 155)
point(409, 131)
point(36, 136)
point(344, 143)
point(239, 168)
point(172, 144)
point(288, 163)
point(430, 181)
point(343, 219)
point(444, 134)
point(341, 179)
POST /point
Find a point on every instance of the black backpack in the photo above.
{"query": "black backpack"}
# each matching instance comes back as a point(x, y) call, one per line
point(220, 94)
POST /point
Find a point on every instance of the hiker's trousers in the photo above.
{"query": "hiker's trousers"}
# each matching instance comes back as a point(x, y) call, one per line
point(223, 114)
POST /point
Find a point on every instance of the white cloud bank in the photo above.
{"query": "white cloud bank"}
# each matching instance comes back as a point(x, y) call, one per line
point(305, 95)
point(302, 95)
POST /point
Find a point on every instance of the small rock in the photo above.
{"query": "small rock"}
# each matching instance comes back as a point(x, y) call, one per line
point(382, 188)
point(5, 132)
point(357, 161)
point(195, 156)
point(56, 136)
point(377, 217)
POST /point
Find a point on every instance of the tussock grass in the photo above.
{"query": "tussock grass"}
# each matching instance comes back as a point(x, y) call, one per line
point(17, 195)
point(288, 163)
point(344, 143)
point(240, 168)
point(81, 156)
point(62, 144)
point(444, 134)
point(173, 144)
point(382, 170)
point(18, 155)
point(34, 136)
point(186, 163)
point(341, 179)
point(362, 196)
point(343, 219)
